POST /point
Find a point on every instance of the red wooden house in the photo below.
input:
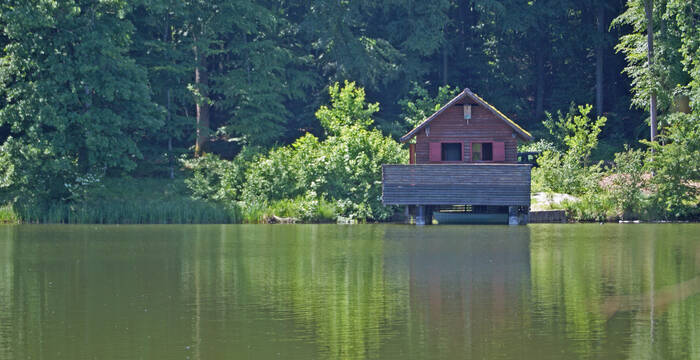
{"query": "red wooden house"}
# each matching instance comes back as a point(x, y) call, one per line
point(464, 159)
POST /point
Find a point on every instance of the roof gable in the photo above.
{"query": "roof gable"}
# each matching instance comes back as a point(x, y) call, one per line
point(474, 97)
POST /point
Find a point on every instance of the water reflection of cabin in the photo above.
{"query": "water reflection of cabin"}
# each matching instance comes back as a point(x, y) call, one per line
point(463, 167)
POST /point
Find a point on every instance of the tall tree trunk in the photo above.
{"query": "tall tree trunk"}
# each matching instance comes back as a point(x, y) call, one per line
point(201, 79)
point(170, 142)
point(171, 168)
point(599, 60)
point(648, 10)
point(539, 95)
point(444, 64)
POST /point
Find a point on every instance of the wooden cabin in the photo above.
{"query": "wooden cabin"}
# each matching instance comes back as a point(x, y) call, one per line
point(463, 162)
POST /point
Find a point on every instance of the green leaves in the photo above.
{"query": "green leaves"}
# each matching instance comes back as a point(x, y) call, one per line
point(568, 171)
point(576, 131)
point(348, 109)
point(666, 76)
point(419, 105)
point(75, 103)
point(345, 168)
point(675, 163)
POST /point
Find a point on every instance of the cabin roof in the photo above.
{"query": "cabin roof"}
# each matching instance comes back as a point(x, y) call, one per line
point(474, 97)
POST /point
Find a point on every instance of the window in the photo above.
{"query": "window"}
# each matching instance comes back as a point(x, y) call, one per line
point(451, 152)
point(482, 151)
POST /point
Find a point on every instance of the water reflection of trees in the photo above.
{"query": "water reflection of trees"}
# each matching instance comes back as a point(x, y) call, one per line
point(335, 283)
point(351, 292)
point(6, 289)
point(617, 282)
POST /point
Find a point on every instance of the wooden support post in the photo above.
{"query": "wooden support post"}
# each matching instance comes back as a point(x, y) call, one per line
point(512, 215)
point(518, 215)
point(524, 216)
point(420, 215)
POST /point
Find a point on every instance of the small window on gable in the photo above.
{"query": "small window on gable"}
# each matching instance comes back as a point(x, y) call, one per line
point(451, 151)
point(482, 151)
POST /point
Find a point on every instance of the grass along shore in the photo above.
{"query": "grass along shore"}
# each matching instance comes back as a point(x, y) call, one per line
point(166, 201)
point(161, 201)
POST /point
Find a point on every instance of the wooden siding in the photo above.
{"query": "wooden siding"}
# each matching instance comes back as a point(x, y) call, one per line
point(456, 184)
point(450, 126)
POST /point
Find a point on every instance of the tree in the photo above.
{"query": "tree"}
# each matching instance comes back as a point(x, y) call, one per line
point(419, 105)
point(348, 109)
point(75, 103)
point(568, 170)
point(648, 9)
point(160, 46)
point(654, 61)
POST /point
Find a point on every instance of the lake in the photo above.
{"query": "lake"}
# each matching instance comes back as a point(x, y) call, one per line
point(540, 291)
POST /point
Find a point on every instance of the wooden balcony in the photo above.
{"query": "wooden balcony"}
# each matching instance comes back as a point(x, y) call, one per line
point(456, 184)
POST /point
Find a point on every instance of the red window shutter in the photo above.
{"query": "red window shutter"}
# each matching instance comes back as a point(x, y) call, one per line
point(499, 151)
point(435, 151)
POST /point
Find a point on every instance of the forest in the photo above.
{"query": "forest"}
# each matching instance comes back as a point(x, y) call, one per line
point(195, 111)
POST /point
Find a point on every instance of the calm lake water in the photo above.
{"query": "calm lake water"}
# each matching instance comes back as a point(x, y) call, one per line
point(350, 292)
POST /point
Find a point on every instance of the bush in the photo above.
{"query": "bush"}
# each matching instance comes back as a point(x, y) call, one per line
point(310, 179)
point(568, 171)
point(675, 162)
point(8, 215)
point(564, 173)
point(216, 179)
point(308, 210)
point(660, 183)
point(627, 183)
point(345, 169)
point(541, 145)
point(592, 206)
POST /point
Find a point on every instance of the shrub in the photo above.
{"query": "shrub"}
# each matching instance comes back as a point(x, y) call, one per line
point(676, 166)
point(217, 179)
point(345, 168)
point(564, 173)
point(592, 206)
point(8, 215)
point(568, 171)
point(299, 209)
point(310, 179)
point(626, 182)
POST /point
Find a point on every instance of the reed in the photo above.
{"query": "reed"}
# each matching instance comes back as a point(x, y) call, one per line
point(299, 209)
point(8, 215)
point(128, 201)
point(182, 211)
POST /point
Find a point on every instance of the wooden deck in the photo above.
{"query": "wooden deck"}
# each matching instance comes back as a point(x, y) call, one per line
point(456, 184)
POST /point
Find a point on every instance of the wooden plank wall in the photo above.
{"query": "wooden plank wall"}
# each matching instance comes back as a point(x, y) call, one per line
point(451, 126)
point(456, 184)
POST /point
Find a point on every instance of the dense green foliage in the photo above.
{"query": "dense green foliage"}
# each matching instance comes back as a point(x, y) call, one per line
point(93, 91)
point(659, 182)
point(342, 171)
point(676, 167)
point(568, 171)
point(74, 102)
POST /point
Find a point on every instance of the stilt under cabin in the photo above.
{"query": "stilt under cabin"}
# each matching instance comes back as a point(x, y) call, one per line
point(463, 167)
